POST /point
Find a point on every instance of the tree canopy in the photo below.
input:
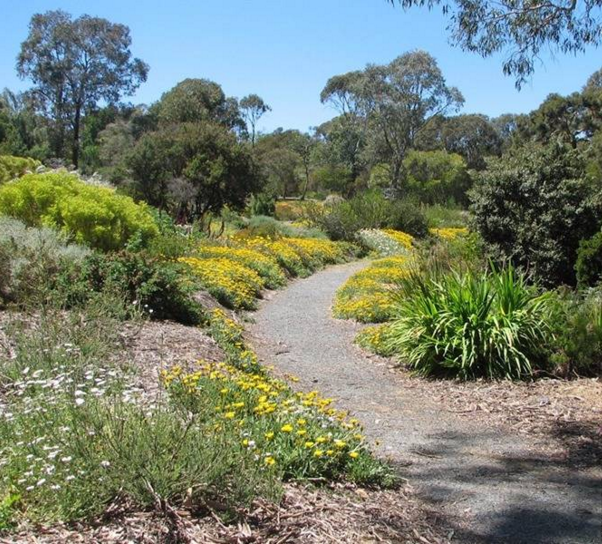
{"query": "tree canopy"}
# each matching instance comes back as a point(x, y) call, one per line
point(520, 30)
point(75, 63)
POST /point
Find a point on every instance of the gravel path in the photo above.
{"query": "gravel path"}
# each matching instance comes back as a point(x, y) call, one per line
point(489, 483)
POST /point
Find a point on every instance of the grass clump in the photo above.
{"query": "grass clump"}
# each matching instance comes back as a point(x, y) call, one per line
point(470, 325)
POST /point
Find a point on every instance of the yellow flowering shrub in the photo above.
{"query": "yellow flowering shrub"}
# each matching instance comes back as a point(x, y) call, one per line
point(265, 265)
point(232, 283)
point(367, 296)
point(449, 233)
point(300, 435)
point(401, 238)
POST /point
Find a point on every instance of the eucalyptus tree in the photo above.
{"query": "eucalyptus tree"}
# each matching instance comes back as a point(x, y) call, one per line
point(394, 102)
point(520, 29)
point(196, 100)
point(253, 108)
point(74, 64)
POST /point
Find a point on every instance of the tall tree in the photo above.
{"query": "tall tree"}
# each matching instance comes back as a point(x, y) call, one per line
point(196, 100)
point(519, 28)
point(253, 108)
point(74, 64)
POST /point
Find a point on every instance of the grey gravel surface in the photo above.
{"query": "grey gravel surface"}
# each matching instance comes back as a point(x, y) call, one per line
point(489, 483)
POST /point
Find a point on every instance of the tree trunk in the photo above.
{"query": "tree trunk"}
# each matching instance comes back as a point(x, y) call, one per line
point(76, 129)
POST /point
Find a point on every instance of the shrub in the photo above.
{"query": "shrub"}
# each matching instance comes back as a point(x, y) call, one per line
point(577, 325)
point(233, 284)
point(368, 295)
point(375, 338)
point(470, 325)
point(589, 261)
point(407, 216)
point(31, 259)
point(439, 216)
point(533, 206)
point(92, 215)
point(14, 167)
point(266, 266)
point(262, 204)
point(78, 434)
point(343, 220)
point(161, 289)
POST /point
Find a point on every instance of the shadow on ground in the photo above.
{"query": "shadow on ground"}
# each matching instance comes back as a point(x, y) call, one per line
point(513, 496)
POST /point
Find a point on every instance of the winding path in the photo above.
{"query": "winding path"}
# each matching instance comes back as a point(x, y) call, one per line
point(486, 482)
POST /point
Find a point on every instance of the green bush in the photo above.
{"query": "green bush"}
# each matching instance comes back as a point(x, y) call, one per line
point(82, 435)
point(407, 216)
point(589, 261)
point(343, 220)
point(533, 207)
point(577, 326)
point(30, 260)
point(13, 167)
point(161, 289)
point(91, 215)
point(262, 204)
point(470, 325)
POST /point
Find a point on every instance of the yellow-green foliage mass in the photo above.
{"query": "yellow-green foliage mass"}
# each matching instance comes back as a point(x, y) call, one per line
point(13, 167)
point(91, 215)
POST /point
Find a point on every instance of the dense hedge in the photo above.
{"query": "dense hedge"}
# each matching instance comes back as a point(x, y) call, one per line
point(91, 215)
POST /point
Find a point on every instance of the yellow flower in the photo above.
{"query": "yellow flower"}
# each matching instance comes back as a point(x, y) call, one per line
point(318, 453)
point(340, 444)
point(287, 428)
point(354, 454)
point(310, 444)
point(301, 422)
point(301, 432)
point(330, 453)
point(269, 435)
point(230, 415)
point(269, 460)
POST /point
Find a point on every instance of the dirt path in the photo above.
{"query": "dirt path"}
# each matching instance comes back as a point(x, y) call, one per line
point(491, 484)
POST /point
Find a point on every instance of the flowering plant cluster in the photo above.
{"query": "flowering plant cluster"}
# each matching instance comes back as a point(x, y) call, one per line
point(368, 296)
point(236, 273)
point(449, 233)
point(299, 435)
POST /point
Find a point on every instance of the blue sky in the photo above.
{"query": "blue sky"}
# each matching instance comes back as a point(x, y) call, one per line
point(285, 50)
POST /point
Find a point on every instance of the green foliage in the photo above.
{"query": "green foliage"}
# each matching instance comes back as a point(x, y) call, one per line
point(92, 54)
point(436, 177)
point(370, 210)
point(161, 289)
point(31, 259)
point(262, 204)
point(589, 261)
point(577, 326)
point(91, 215)
point(7, 511)
point(470, 325)
point(343, 220)
point(193, 169)
point(14, 167)
point(438, 216)
point(533, 207)
point(71, 447)
point(407, 216)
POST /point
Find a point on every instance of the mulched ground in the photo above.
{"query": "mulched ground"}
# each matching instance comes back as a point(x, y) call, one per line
point(342, 514)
